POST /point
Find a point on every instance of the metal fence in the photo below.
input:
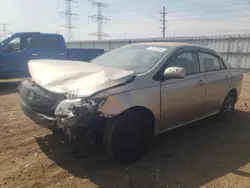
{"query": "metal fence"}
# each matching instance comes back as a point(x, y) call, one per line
point(234, 48)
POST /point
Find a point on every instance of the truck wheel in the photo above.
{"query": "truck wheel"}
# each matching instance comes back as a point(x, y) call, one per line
point(127, 137)
point(227, 109)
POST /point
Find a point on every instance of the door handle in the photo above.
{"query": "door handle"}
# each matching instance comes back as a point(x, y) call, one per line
point(227, 77)
point(201, 82)
point(35, 54)
point(62, 54)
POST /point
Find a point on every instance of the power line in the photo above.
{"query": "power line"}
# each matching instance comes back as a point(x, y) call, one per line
point(221, 23)
point(218, 7)
point(133, 18)
point(212, 13)
point(163, 22)
point(128, 2)
point(100, 19)
point(206, 6)
point(68, 15)
point(135, 1)
point(193, 20)
point(207, 17)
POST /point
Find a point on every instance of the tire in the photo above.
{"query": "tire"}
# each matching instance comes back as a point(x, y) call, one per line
point(128, 136)
point(227, 109)
point(56, 131)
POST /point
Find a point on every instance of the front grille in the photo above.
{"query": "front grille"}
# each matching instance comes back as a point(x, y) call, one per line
point(40, 101)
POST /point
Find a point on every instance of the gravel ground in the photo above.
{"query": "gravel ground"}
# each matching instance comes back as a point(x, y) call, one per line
point(203, 154)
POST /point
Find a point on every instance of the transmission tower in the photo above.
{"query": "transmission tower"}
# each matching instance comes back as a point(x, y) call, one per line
point(4, 30)
point(163, 22)
point(100, 19)
point(68, 15)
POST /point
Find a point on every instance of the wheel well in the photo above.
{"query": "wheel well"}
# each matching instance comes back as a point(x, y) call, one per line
point(234, 92)
point(148, 113)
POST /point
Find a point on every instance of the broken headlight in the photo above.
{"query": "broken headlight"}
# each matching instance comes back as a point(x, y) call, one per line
point(71, 107)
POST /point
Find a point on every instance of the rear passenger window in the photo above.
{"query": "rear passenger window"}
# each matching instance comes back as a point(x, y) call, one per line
point(52, 43)
point(47, 43)
point(210, 62)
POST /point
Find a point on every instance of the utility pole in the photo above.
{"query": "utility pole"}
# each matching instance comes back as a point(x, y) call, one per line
point(4, 30)
point(100, 19)
point(68, 15)
point(163, 22)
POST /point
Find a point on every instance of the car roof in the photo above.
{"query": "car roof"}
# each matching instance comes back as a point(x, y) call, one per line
point(171, 44)
point(35, 33)
point(176, 45)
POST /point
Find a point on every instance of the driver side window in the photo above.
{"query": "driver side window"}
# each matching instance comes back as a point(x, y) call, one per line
point(188, 60)
point(14, 44)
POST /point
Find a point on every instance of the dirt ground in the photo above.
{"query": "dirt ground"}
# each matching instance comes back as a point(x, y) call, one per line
point(204, 154)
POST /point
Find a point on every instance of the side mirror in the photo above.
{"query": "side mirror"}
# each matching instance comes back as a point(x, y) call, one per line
point(174, 72)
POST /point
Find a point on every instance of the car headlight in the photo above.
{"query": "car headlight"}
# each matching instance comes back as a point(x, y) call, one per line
point(73, 107)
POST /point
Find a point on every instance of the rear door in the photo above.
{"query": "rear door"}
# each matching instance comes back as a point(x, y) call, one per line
point(218, 81)
point(50, 46)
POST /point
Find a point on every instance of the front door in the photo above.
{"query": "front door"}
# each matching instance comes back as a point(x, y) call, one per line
point(14, 59)
point(182, 99)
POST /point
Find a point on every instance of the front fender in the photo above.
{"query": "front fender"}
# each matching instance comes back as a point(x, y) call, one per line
point(146, 97)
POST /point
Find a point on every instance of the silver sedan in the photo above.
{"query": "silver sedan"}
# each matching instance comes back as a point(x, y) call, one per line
point(131, 94)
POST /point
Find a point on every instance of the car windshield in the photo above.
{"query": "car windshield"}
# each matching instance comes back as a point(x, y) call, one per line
point(138, 58)
point(4, 38)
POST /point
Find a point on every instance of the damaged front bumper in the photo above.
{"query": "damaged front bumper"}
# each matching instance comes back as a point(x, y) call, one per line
point(40, 119)
point(63, 113)
point(71, 112)
point(56, 123)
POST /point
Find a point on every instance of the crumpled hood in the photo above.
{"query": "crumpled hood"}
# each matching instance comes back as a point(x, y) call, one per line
point(75, 77)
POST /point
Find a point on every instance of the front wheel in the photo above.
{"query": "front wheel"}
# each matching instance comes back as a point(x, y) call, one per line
point(127, 137)
point(227, 109)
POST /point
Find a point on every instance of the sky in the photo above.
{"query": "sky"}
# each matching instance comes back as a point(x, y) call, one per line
point(130, 18)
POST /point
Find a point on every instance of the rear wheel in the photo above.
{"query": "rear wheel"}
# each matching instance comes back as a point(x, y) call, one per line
point(127, 137)
point(227, 109)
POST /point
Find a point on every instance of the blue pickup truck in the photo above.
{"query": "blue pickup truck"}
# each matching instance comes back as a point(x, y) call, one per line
point(17, 49)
